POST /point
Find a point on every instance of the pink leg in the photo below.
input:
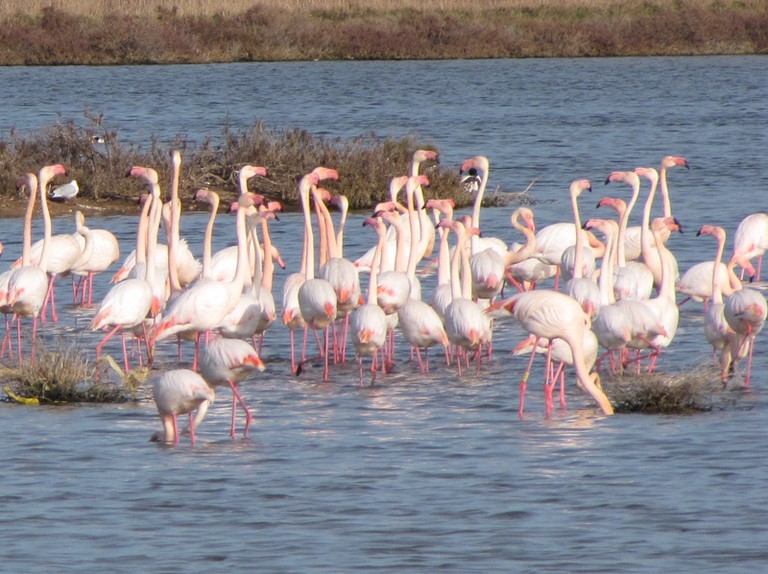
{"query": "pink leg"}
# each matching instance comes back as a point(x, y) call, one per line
point(237, 398)
point(524, 379)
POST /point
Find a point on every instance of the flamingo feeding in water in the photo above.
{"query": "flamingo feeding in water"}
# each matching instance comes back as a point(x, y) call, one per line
point(179, 392)
point(229, 362)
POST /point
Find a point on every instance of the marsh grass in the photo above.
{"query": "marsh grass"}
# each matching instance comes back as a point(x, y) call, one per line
point(366, 164)
point(39, 32)
point(697, 390)
point(59, 375)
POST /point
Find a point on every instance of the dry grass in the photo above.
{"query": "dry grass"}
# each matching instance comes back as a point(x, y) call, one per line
point(142, 32)
point(148, 8)
point(58, 376)
point(365, 164)
point(664, 393)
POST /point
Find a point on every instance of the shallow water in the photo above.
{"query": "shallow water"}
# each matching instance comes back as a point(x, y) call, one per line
point(417, 473)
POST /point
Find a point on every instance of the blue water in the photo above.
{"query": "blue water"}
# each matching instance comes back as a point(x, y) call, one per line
point(417, 473)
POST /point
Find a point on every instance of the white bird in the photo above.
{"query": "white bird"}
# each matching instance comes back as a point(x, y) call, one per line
point(66, 191)
point(178, 392)
point(227, 362)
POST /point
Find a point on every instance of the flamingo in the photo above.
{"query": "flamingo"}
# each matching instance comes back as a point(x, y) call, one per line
point(203, 305)
point(717, 331)
point(650, 253)
point(105, 251)
point(368, 323)
point(27, 285)
point(488, 266)
point(186, 268)
point(632, 239)
point(263, 292)
point(244, 319)
point(441, 296)
point(696, 282)
point(745, 311)
point(664, 305)
point(179, 392)
point(477, 243)
point(341, 273)
point(750, 241)
point(626, 322)
point(63, 251)
point(30, 182)
point(633, 280)
point(577, 263)
point(316, 297)
point(229, 362)
point(552, 315)
point(131, 301)
point(558, 351)
point(465, 324)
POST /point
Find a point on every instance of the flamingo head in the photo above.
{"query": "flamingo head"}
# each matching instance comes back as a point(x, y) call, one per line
point(340, 202)
point(50, 171)
point(422, 155)
point(479, 163)
point(673, 160)
point(712, 230)
point(321, 173)
point(146, 173)
point(527, 216)
point(615, 203)
point(579, 185)
point(629, 177)
point(649, 173)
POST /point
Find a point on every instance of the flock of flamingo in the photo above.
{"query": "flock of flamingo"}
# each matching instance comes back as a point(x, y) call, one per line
point(628, 307)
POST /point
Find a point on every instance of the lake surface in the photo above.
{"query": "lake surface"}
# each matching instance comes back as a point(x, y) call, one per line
point(416, 473)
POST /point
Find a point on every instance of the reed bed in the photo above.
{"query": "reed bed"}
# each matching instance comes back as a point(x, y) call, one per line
point(142, 32)
point(366, 165)
point(696, 390)
point(59, 375)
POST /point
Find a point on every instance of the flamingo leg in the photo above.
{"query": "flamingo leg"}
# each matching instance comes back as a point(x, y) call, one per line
point(238, 398)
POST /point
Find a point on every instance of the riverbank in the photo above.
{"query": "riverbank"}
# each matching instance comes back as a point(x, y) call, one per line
point(95, 32)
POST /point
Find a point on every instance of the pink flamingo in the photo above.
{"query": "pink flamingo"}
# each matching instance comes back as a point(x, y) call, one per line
point(179, 392)
point(316, 297)
point(229, 362)
point(28, 285)
point(465, 324)
point(745, 311)
point(30, 183)
point(63, 251)
point(750, 241)
point(203, 305)
point(559, 352)
point(368, 323)
point(185, 268)
point(552, 315)
point(104, 251)
point(131, 301)
point(716, 328)
point(634, 280)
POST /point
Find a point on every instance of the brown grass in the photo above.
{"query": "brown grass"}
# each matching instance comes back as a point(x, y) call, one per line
point(687, 392)
point(366, 164)
point(100, 32)
point(59, 375)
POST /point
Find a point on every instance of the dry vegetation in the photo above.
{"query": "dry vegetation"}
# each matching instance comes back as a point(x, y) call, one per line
point(59, 375)
point(366, 165)
point(186, 31)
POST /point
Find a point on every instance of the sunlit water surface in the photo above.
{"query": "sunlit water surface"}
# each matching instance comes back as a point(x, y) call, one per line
point(416, 473)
